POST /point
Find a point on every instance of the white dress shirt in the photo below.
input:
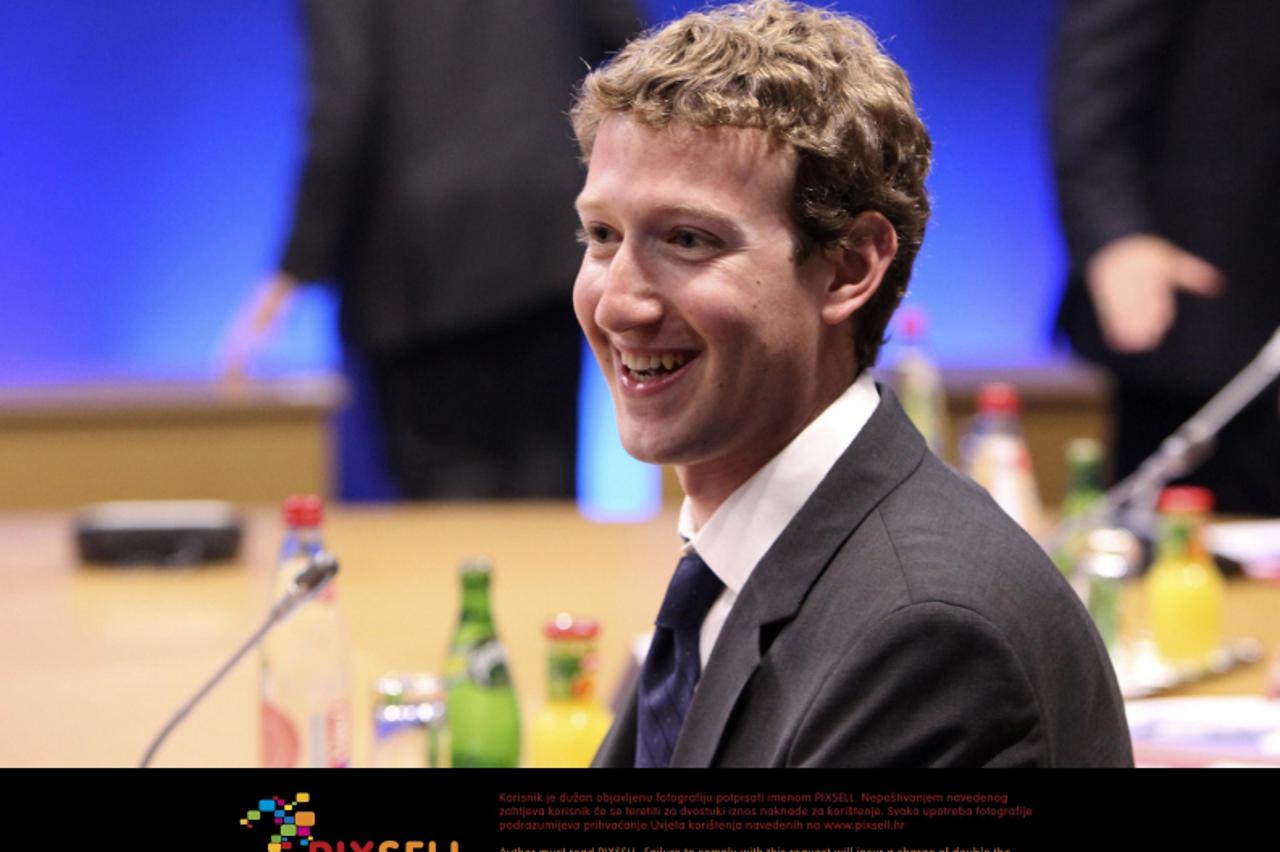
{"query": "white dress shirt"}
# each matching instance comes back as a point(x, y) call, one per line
point(746, 525)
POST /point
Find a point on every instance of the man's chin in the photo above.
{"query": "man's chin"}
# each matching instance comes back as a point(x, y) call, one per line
point(652, 449)
point(644, 452)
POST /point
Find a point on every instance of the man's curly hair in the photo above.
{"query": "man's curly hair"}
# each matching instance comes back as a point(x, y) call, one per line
point(817, 80)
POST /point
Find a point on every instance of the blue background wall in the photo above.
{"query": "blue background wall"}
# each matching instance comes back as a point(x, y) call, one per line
point(147, 149)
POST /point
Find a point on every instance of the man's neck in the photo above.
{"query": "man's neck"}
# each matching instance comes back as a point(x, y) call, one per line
point(708, 484)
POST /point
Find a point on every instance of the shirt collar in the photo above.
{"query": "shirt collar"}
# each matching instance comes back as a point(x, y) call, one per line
point(745, 526)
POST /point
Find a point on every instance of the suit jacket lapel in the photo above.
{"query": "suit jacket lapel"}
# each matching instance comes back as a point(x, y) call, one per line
point(885, 452)
point(619, 746)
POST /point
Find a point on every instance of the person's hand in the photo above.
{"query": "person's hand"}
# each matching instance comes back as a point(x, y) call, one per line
point(1132, 282)
point(252, 326)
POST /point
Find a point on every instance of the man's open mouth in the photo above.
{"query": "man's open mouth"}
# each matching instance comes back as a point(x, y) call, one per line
point(647, 368)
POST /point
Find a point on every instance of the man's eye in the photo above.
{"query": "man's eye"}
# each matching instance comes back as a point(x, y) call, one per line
point(593, 234)
point(687, 239)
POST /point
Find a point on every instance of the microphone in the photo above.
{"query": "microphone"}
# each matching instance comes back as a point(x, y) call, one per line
point(1180, 453)
point(319, 571)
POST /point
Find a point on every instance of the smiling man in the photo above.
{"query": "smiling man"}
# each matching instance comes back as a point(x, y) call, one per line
point(753, 203)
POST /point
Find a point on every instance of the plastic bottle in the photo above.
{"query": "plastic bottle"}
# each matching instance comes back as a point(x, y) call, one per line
point(483, 717)
point(573, 722)
point(1110, 557)
point(919, 383)
point(409, 722)
point(1183, 588)
point(305, 683)
point(994, 453)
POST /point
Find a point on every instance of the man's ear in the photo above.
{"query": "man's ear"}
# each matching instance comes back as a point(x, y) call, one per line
point(861, 259)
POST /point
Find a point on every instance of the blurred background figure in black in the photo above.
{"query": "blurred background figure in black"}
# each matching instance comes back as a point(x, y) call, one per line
point(437, 194)
point(1166, 137)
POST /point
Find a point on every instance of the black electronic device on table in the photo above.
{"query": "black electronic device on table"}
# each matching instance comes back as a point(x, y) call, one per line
point(158, 532)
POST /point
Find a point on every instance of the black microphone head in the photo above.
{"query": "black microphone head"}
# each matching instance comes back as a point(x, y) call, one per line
point(321, 568)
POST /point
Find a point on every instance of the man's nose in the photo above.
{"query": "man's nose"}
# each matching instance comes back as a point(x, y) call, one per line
point(629, 298)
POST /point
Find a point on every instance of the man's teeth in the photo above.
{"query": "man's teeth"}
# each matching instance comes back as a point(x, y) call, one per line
point(667, 361)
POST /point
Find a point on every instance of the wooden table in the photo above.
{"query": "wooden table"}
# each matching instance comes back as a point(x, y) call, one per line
point(94, 660)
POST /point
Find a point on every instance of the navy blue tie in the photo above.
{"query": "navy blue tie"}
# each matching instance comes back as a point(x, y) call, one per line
point(672, 667)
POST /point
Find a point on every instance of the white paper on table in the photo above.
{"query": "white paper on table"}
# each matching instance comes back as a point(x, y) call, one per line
point(1246, 726)
point(1254, 544)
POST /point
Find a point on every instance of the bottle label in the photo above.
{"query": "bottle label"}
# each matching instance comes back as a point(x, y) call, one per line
point(571, 671)
point(337, 734)
point(279, 739)
point(487, 664)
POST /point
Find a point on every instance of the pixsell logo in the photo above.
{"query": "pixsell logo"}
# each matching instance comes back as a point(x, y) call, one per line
point(287, 824)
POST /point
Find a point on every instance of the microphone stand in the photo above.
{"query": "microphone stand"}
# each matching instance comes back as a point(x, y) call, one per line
point(320, 569)
point(1183, 451)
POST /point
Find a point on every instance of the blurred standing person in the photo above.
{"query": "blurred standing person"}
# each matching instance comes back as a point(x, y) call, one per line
point(437, 193)
point(1166, 142)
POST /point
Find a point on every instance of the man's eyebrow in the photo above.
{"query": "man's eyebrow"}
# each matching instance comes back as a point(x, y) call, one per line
point(586, 202)
point(697, 212)
point(590, 202)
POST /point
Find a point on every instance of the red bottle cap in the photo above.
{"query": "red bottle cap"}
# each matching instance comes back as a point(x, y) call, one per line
point(303, 510)
point(913, 323)
point(998, 398)
point(1185, 499)
point(565, 626)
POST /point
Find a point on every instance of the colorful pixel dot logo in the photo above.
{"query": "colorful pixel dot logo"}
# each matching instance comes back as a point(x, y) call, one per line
point(289, 827)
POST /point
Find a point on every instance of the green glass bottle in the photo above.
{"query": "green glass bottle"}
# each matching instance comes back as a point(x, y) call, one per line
point(483, 717)
point(1084, 489)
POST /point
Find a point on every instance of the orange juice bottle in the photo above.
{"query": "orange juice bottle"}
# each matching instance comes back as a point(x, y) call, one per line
point(1183, 588)
point(572, 724)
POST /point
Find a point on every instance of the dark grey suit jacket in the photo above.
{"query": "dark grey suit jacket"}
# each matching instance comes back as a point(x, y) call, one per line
point(901, 619)
point(441, 168)
point(1166, 120)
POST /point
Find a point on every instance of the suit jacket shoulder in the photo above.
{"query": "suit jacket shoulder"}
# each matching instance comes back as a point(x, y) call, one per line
point(901, 620)
point(969, 648)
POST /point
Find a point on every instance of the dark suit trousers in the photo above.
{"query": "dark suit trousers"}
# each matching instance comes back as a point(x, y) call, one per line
point(489, 413)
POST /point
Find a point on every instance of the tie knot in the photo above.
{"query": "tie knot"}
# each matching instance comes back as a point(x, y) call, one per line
point(693, 589)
